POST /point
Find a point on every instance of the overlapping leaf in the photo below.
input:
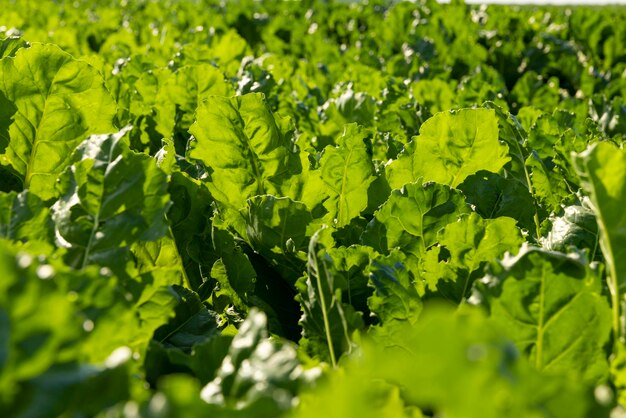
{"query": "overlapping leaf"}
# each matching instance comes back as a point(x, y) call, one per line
point(451, 146)
point(111, 198)
point(59, 101)
point(602, 169)
point(327, 322)
point(432, 206)
point(247, 151)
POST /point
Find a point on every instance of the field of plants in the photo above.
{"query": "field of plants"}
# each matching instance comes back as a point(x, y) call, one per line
point(307, 209)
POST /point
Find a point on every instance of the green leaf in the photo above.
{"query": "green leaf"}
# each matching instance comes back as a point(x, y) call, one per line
point(259, 375)
point(473, 241)
point(451, 146)
point(395, 297)
point(59, 101)
point(277, 229)
point(494, 196)
point(159, 260)
point(327, 323)
point(397, 365)
point(553, 306)
point(347, 171)
point(548, 184)
point(10, 45)
point(350, 265)
point(192, 324)
point(576, 228)
point(182, 93)
point(247, 151)
point(189, 219)
point(24, 217)
point(236, 278)
point(112, 198)
point(602, 171)
point(432, 206)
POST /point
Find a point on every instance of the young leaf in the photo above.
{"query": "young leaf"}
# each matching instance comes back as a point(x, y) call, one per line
point(59, 101)
point(471, 242)
point(451, 146)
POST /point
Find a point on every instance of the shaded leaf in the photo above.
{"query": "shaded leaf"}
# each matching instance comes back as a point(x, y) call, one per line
point(555, 312)
point(112, 198)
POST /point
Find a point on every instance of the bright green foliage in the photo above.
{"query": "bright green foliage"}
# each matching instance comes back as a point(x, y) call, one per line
point(478, 362)
point(554, 308)
point(247, 150)
point(347, 171)
point(58, 102)
point(177, 100)
point(450, 147)
point(432, 206)
point(24, 216)
point(254, 208)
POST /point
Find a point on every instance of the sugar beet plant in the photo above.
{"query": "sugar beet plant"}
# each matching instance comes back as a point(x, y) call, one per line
point(303, 209)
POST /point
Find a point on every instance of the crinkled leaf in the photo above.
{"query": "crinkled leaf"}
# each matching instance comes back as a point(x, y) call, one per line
point(183, 92)
point(25, 217)
point(548, 184)
point(451, 146)
point(576, 228)
point(350, 264)
point(59, 101)
point(276, 227)
point(395, 296)
point(431, 207)
point(494, 196)
point(112, 197)
point(471, 242)
point(247, 151)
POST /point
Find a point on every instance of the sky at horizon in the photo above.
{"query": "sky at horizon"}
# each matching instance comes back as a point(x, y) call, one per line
point(558, 2)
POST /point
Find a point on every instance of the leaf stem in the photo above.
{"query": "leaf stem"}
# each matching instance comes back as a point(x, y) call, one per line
point(329, 339)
